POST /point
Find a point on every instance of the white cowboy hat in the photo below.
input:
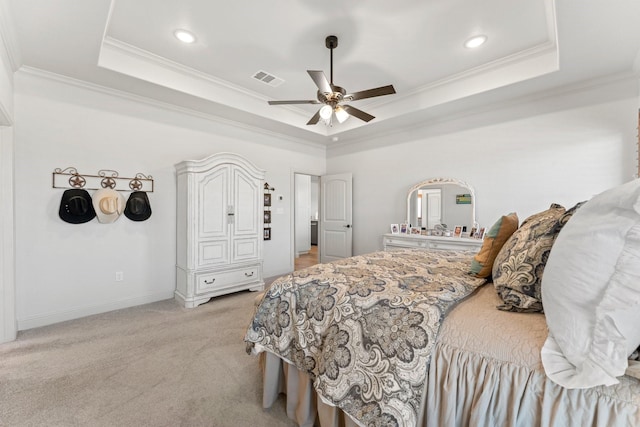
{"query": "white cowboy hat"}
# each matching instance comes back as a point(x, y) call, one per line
point(108, 204)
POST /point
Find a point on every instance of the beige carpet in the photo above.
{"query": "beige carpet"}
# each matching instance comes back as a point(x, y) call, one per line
point(152, 365)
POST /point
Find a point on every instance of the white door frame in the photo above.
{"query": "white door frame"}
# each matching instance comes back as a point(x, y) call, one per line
point(299, 213)
point(8, 323)
point(292, 243)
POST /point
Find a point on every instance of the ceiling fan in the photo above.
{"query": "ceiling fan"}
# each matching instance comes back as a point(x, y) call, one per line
point(333, 96)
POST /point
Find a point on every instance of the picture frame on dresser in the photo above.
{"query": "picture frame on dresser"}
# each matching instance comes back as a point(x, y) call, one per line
point(404, 228)
point(480, 234)
point(395, 229)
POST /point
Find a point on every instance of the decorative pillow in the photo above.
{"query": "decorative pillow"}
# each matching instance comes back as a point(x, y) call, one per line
point(590, 291)
point(518, 268)
point(493, 241)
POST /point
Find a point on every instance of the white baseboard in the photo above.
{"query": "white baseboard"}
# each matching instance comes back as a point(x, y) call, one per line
point(76, 313)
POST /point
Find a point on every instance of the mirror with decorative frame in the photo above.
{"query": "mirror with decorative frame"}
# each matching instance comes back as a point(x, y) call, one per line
point(439, 202)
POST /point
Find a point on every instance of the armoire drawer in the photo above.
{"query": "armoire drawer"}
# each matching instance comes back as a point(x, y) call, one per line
point(222, 279)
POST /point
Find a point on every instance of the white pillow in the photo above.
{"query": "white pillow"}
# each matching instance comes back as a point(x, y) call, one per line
point(591, 291)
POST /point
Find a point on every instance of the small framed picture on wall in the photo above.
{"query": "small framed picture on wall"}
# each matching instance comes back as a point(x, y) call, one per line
point(267, 199)
point(267, 217)
point(267, 233)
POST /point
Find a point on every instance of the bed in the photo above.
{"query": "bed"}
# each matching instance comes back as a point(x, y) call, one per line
point(413, 338)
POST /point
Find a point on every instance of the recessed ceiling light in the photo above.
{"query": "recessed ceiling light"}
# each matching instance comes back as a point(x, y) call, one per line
point(184, 36)
point(475, 41)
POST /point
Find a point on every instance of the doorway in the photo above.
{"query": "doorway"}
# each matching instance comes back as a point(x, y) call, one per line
point(430, 207)
point(306, 216)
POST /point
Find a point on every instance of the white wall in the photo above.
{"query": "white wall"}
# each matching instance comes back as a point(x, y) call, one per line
point(65, 271)
point(6, 70)
point(8, 325)
point(6, 88)
point(557, 149)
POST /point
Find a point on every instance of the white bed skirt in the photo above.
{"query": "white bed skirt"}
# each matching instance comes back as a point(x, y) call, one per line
point(485, 372)
point(303, 405)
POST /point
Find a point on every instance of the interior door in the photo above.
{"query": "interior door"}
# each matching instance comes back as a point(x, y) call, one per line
point(336, 228)
point(434, 207)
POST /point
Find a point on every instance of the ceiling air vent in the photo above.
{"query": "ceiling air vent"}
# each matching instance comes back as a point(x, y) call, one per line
point(268, 79)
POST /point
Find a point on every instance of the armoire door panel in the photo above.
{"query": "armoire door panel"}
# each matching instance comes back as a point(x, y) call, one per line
point(215, 252)
point(246, 201)
point(213, 202)
point(245, 249)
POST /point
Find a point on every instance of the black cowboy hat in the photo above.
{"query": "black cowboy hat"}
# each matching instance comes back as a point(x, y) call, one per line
point(76, 206)
point(138, 207)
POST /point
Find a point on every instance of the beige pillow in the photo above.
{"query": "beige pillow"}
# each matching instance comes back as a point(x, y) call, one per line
point(518, 268)
point(482, 263)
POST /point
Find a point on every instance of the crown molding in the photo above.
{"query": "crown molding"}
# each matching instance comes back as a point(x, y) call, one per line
point(59, 78)
point(162, 62)
point(547, 48)
point(135, 62)
point(366, 142)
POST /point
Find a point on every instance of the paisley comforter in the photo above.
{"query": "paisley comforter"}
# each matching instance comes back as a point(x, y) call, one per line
point(364, 327)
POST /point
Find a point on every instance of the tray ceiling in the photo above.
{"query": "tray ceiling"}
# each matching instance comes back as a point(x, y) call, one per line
point(418, 47)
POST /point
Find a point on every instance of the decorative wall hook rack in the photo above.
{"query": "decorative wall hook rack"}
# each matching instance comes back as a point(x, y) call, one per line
point(106, 178)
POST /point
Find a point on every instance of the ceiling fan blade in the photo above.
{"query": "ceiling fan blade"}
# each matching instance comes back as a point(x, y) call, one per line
point(301, 101)
point(314, 120)
point(370, 93)
point(357, 113)
point(321, 81)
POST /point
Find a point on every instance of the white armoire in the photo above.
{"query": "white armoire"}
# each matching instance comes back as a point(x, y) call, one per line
point(219, 227)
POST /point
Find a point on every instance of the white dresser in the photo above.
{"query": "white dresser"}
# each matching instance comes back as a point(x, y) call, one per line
point(404, 241)
point(219, 227)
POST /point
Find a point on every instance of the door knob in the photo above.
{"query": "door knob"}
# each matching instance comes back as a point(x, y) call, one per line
point(348, 225)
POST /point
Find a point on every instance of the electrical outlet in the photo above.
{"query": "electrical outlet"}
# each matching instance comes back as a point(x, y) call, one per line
point(119, 276)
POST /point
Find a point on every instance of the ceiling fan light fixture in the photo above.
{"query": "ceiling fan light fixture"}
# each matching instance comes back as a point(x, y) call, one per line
point(184, 36)
point(475, 41)
point(341, 114)
point(325, 112)
point(331, 95)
